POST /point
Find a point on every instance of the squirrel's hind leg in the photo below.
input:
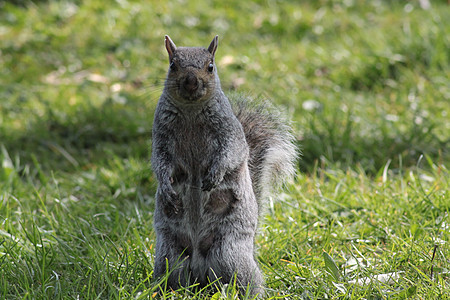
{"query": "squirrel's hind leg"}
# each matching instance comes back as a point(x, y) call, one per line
point(235, 262)
point(172, 259)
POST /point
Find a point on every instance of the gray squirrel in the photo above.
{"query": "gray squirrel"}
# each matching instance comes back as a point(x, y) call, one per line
point(215, 164)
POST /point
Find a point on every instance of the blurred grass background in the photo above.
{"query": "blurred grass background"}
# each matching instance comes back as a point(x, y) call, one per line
point(365, 82)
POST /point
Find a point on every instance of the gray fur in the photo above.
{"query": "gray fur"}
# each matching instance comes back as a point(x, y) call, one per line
point(213, 167)
point(272, 145)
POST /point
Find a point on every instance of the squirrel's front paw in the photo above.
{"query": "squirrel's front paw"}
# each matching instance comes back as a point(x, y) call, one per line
point(172, 204)
point(211, 181)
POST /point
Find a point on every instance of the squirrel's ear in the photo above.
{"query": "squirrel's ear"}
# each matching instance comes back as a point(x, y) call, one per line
point(213, 46)
point(170, 46)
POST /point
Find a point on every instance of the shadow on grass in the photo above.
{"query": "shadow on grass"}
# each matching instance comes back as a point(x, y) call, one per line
point(332, 141)
point(90, 135)
point(81, 137)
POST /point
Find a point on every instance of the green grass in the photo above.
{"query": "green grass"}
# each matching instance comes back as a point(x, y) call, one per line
point(366, 83)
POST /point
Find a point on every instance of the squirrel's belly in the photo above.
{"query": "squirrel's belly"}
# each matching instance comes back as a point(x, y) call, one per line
point(202, 214)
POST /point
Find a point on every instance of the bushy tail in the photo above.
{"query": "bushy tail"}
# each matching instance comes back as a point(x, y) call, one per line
point(273, 152)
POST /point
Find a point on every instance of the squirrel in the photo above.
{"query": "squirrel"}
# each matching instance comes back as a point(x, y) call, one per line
point(215, 164)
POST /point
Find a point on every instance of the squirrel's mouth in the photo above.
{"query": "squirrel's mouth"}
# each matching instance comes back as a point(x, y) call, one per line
point(191, 89)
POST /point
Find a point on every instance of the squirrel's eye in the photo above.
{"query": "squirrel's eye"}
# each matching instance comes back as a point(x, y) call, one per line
point(210, 67)
point(172, 66)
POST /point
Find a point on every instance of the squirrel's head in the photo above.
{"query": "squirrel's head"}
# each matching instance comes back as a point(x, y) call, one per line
point(192, 75)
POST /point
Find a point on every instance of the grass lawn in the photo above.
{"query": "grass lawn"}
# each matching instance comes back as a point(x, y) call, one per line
point(365, 82)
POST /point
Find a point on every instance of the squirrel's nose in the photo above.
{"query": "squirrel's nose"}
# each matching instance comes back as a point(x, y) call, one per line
point(190, 83)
